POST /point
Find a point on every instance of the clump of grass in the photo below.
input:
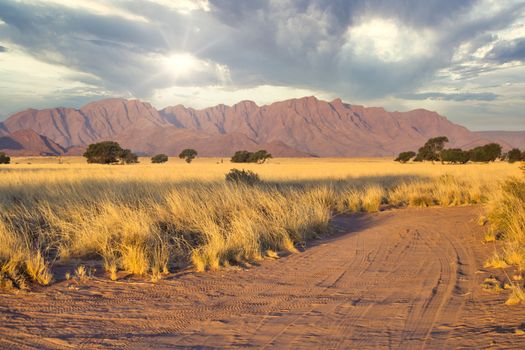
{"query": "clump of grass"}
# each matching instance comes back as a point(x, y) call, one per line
point(37, 269)
point(492, 285)
point(81, 272)
point(517, 295)
point(246, 177)
point(496, 262)
point(373, 198)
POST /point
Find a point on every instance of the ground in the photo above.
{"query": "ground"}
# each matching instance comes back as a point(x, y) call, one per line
point(407, 278)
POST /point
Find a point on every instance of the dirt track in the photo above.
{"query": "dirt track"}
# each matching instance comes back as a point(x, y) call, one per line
point(399, 279)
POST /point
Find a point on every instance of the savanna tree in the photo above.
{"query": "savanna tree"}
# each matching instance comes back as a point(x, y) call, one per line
point(404, 157)
point(455, 155)
point(4, 158)
point(431, 150)
point(515, 155)
point(188, 154)
point(109, 152)
point(159, 158)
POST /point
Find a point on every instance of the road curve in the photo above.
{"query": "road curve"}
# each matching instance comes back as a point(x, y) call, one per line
point(407, 278)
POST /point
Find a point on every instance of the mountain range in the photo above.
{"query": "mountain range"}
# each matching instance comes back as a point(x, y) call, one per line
point(292, 128)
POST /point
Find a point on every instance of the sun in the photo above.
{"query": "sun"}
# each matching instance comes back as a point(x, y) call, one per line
point(181, 64)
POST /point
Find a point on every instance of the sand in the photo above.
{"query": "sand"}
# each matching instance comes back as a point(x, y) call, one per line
point(409, 278)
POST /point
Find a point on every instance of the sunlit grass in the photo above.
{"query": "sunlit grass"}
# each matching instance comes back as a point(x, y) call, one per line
point(149, 219)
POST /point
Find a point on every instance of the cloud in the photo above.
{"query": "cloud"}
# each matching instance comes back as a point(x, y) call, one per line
point(3, 49)
point(483, 96)
point(508, 51)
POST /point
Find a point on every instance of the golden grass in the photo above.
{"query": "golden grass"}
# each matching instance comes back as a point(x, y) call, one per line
point(507, 218)
point(148, 219)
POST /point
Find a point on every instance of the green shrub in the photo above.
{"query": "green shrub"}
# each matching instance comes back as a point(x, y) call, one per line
point(159, 158)
point(246, 177)
point(4, 158)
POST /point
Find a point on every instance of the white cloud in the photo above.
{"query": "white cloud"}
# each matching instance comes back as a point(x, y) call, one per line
point(206, 96)
point(98, 7)
point(24, 76)
point(184, 6)
point(388, 40)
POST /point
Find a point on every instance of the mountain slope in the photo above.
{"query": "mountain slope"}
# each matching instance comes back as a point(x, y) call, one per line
point(295, 127)
point(512, 138)
point(27, 142)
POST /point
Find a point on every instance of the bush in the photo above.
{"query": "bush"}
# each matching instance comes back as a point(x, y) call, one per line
point(514, 155)
point(404, 157)
point(251, 157)
point(127, 157)
point(241, 157)
point(109, 152)
point(4, 158)
point(159, 158)
point(487, 153)
point(188, 155)
point(260, 156)
point(455, 155)
point(246, 177)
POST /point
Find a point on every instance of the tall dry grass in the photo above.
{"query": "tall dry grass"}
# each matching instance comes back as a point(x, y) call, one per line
point(506, 214)
point(149, 219)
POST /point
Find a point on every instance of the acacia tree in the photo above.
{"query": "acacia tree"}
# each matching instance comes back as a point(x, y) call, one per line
point(431, 150)
point(251, 157)
point(159, 158)
point(188, 154)
point(455, 155)
point(260, 156)
point(109, 152)
point(514, 155)
point(127, 157)
point(241, 157)
point(404, 157)
point(4, 158)
point(487, 153)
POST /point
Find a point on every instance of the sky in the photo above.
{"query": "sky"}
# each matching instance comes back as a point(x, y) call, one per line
point(464, 59)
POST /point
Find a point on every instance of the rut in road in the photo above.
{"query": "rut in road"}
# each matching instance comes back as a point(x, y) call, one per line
point(405, 278)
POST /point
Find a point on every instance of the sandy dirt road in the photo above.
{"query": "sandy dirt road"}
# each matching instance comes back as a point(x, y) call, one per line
point(406, 278)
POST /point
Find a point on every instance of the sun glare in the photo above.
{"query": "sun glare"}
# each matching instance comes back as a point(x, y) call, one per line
point(181, 65)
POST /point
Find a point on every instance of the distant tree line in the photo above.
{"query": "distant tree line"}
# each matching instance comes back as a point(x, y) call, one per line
point(434, 150)
point(110, 152)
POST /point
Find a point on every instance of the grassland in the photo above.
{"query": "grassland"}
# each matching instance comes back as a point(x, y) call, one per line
point(149, 219)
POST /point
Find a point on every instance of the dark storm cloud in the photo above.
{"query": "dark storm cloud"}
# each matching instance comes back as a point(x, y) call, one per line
point(484, 96)
point(508, 51)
